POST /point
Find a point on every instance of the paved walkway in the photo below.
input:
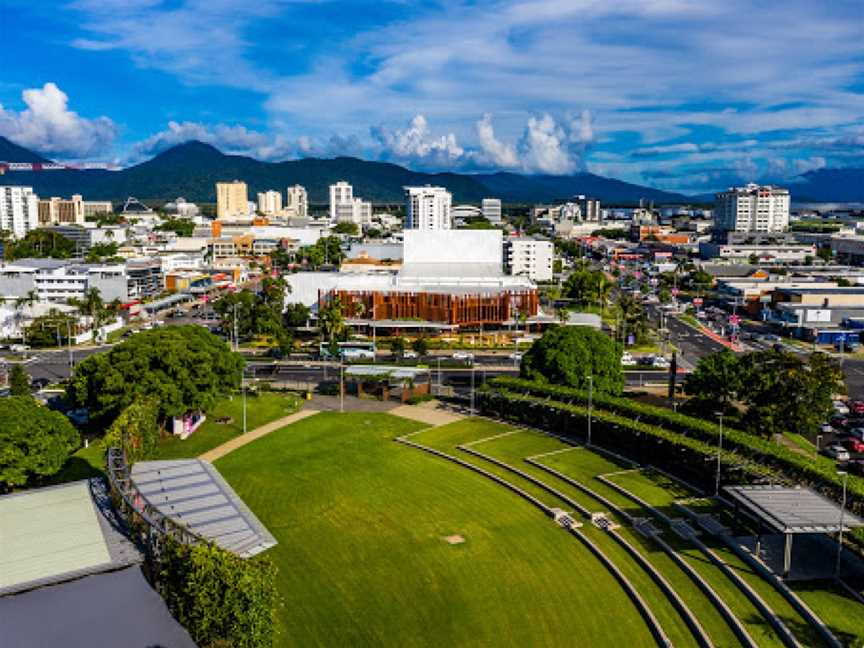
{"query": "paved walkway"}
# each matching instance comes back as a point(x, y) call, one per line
point(257, 433)
point(431, 412)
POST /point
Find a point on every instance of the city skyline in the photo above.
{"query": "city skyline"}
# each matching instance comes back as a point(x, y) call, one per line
point(683, 96)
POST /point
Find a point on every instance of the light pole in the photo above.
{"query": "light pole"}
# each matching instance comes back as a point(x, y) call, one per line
point(236, 339)
point(341, 386)
point(719, 450)
point(845, 476)
point(472, 388)
point(590, 405)
point(69, 343)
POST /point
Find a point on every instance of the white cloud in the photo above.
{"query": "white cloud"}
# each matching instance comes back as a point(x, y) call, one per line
point(417, 144)
point(492, 150)
point(544, 147)
point(49, 127)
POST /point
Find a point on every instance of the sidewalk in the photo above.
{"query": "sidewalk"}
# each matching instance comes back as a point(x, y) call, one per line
point(257, 433)
point(432, 413)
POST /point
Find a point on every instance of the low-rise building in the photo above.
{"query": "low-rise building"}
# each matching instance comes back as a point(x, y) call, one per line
point(765, 248)
point(529, 257)
point(144, 277)
point(57, 281)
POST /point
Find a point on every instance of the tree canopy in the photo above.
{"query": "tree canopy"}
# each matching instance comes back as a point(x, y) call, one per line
point(590, 287)
point(19, 381)
point(184, 368)
point(40, 243)
point(34, 441)
point(567, 355)
point(772, 391)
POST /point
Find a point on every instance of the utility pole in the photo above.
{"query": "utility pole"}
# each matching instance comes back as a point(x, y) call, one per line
point(69, 342)
point(845, 476)
point(341, 386)
point(719, 450)
point(472, 388)
point(243, 386)
point(590, 405)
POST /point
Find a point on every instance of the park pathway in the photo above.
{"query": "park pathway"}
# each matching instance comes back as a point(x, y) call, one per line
point(257, 433)
point(432, 413)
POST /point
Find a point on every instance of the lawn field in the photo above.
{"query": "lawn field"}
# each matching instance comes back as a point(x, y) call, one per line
point(260, 409)
point(363, 526)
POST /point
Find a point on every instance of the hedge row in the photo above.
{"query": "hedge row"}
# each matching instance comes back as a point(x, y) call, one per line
point(689, 458)
point(819, 473)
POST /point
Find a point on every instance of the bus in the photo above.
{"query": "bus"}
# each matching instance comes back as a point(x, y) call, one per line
point(349, 351)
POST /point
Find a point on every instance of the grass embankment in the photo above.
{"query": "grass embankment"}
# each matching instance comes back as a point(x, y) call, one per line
point(363, 522)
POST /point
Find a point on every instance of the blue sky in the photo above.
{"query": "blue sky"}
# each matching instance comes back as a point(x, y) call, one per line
point(681, 94)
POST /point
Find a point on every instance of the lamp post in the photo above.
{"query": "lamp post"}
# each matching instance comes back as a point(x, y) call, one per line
point(69, 342)
point(472, 388)
point(845, 476)
point(719, 450)
point(243, 388)
point(590, 405)
point(341, 386)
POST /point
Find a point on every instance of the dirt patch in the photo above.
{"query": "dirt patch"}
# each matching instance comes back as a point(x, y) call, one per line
point(454, 539)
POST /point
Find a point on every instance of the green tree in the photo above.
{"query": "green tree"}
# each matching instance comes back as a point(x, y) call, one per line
point(331, 321)
point(350, 229)
point(717, 380)
point(101, 251)
point(136, 430)
point(184, 368)
point(40, 243)
point(50, 329)
point(397, 345)
point(179, 226)
point(567, 355)
point(664, 295)
point(632, 316)
point(420, 345)
point(19, 381)
point(296, 315)
point(35, 442)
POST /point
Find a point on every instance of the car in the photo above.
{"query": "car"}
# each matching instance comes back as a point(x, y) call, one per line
point(838, 422)
point(854, 445)
point(39, 383)
point(836, 451)
point(826, 428)
point(19, 348)
point(628, 360)
point(856, 407)
point(770, 337)
point(840, 407)
point(515, 357)
point(856, 432)
point(410, 354)
point(463, 355)
point(647, 360)
point(660, 362)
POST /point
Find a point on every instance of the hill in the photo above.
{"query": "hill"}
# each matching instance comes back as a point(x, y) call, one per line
point(192, 169)
point(830, 185)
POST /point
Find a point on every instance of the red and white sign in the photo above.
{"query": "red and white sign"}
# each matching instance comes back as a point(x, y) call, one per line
point(698, 301)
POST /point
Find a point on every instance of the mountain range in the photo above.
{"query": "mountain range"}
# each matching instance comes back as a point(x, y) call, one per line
point(192, 169)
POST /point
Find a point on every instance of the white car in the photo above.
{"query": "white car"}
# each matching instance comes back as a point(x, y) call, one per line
point(410, 354)
point(837, 452)
point(660, 362)
point(515, 357)
point(19, 348)
point(463, 355)
point(840, 407)
point(628, 360)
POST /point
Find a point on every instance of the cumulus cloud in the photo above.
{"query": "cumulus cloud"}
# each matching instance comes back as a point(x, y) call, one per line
point(492, 150)
point(49, 127)
point(416, 144)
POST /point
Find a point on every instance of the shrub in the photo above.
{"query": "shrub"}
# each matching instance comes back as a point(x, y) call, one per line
point(220, 598)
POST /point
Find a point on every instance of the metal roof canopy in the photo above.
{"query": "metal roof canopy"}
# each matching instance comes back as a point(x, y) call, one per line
point(193, 493)
point(792, 510)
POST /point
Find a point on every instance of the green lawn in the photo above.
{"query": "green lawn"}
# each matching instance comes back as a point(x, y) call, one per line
point(843, 613)
point(260, 409)
point(653, 488)
point(85, 463)
point(362, 521)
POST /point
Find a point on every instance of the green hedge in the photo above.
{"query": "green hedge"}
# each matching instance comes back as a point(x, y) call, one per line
point(818, 472)
point(221, 599)
point(689, 458)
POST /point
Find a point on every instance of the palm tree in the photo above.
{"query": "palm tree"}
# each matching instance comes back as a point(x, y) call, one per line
point(331, 321)
point(27, 300)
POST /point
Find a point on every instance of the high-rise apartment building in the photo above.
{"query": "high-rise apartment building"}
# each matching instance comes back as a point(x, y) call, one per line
point(754, 208)
point(297, 203)
point(428, 208)
point(59, 211)
point(19, 210)
point(590, 209)
point(492, 210)
point(231, 199)
point(341, 201)
point(530, 258)
point(269, 202)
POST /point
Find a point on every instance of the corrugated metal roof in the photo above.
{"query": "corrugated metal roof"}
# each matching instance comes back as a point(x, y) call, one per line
point(793, 510)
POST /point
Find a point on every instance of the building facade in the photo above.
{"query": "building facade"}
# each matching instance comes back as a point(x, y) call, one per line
point(60, 211)
point(491, 208)
point(231, 199)
point(753, 208)
point(341, 201)
point(529, 257)
point(269, 203)
point(428, 208)
point(57, 281)
point(19, 210)
point(297, 203)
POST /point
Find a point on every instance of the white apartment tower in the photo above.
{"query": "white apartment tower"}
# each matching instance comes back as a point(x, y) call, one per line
point(19, 210)
point(530, 258)
point(269, 202)
point(492, 210)
point(231, 199)
point(428, 208)
point(297, 202)
point(754, 208)
point(341, 201)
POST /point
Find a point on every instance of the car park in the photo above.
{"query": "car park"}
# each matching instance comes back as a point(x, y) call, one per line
point(840, 407)
point(410, 354)
point(838, 422)
point(837, 451)
point(856, 432)
point(853, 444)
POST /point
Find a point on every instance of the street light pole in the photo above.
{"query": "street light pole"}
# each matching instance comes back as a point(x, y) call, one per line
point(845, 476)
point(341, 386)
point(243, 387)
point(719, 450)
point(590, 405)
point(236, 339)
point(472, 388)
point(69, 342)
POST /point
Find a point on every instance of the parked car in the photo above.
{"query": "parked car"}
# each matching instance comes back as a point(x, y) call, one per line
point(628, 360)
point(463, 355)
point(854, 445)
point(856, 432)
point(836, 451)
point(39, 383)
point(660, 362)
point(770, 337)
point(840, 407)
point(515, 357)
point(410, 354)
point(856, 407)
point(838, 422)
point(19, 348)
